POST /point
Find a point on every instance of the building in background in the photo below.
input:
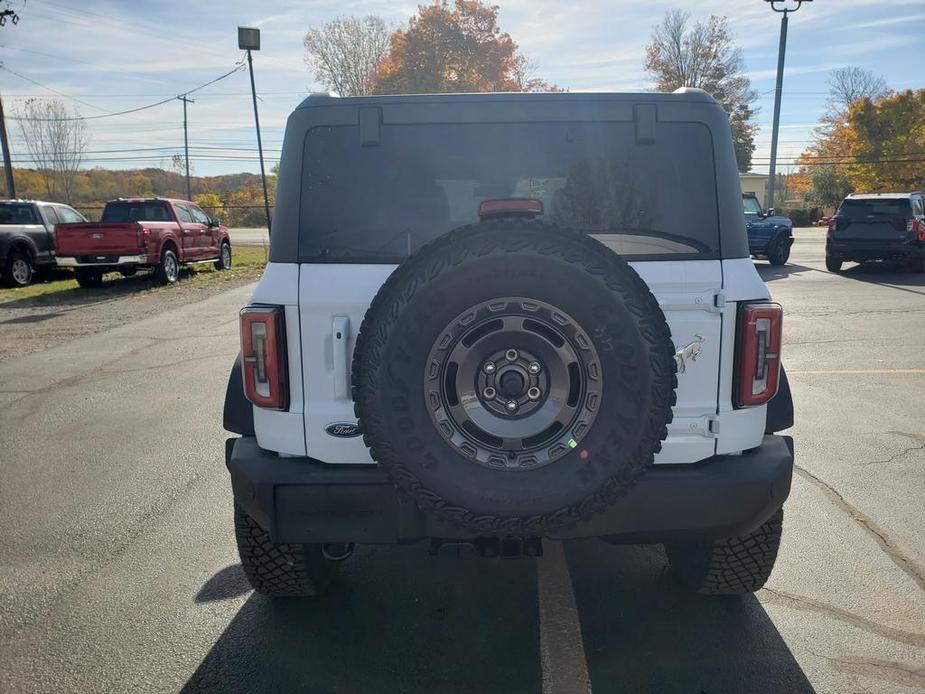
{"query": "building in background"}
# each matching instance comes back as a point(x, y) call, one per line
point(757, 184)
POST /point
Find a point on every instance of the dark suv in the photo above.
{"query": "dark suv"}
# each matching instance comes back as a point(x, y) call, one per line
point(878, 226)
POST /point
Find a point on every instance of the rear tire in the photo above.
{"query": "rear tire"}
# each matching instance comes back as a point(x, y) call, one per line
point(286, 570)
point(779, 252)
point(168, 270)
point(19, 270)
point(833, 264)
point(89, 278)
point(224, 257)
point(916, 265)
point(735, 566)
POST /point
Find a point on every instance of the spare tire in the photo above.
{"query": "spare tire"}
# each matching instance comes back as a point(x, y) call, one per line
point(514, 377)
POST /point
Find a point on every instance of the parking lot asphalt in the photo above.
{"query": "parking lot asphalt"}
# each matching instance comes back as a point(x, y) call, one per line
point(118, 569)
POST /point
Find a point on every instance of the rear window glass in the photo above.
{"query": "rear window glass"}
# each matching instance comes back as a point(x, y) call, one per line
point(381, 203)
point(18, 214)
point(880, 207)
point(135, 212)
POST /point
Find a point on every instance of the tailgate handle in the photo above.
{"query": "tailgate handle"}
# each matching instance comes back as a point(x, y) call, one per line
point(340, 339)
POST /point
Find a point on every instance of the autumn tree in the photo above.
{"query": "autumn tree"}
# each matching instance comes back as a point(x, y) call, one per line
point(827, 185)
point(455, 47)
point(344, 54)
point(56, 139)
point(704, 55)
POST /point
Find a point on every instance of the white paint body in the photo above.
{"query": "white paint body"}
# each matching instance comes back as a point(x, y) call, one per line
point(324, 308)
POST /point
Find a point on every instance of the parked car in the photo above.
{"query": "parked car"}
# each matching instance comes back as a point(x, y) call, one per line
point(484, 322)
point(155, 233)
point(878, 226)
point(769, 235)
point(26, 244)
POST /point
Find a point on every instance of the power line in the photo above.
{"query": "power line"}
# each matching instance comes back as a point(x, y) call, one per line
point(238, 66)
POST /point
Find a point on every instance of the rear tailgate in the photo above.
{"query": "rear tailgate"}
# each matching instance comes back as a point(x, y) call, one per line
point(873, 220)
point(97, 239)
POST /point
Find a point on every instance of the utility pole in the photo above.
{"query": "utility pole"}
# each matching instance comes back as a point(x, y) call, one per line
point(781, 51)
point(249, 39)
point(7, 164)
point(185, 99)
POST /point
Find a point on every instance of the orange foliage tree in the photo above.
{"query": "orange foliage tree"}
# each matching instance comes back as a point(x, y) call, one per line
point(456, 47)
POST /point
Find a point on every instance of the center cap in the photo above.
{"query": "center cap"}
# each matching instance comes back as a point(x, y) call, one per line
point(511, 384)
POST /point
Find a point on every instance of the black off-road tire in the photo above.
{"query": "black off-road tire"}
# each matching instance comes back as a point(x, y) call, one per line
point(736, 566)
point(168, 270)
point(224, 257)
point(89, 277)
point(483, 262)
point(833, 264)
point(779, 251)
point(19, 271)
point(280, 571)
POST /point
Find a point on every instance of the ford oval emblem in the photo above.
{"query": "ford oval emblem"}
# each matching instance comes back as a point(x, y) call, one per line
point(343, 430)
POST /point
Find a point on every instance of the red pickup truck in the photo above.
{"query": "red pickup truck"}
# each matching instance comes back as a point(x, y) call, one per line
point(156, 233)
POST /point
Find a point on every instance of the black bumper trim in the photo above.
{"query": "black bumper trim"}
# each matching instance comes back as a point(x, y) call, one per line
point(303, 500)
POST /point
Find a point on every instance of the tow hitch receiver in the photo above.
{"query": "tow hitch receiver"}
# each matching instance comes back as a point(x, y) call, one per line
point(493, 547)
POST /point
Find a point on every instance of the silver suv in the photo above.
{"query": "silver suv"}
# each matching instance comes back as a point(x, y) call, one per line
point(492, 319)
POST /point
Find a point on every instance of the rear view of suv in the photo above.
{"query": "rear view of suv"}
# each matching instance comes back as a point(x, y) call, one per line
point(484, 323)
point(878, 226)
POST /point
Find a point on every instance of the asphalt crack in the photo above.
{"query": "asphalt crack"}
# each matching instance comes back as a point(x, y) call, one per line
point(896, 555)
point(799, 602)
point(889, 670)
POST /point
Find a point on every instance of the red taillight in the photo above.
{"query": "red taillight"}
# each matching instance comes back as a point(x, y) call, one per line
point(758, 353)
point(511, 207)
point(263, 356)
point(144, 233)
point(832, 224)
point(917, 227)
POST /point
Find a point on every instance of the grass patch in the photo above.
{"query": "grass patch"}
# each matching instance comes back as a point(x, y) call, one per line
point(59, 285)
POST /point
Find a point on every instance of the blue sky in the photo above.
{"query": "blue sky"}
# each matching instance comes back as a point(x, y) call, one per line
point(119, 55)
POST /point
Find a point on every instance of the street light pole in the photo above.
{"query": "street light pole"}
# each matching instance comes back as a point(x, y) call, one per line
point(263, 173)
point(778, 90)
point(248, 40)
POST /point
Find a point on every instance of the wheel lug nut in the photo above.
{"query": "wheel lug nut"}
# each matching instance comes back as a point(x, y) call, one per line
point(511, 355)
point(489, 367)
point(533, 393)
point(511, 406)
point(489, 393)
point(534, 367)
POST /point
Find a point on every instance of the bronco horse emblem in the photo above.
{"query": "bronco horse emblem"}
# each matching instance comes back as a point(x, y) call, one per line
point(689, 352)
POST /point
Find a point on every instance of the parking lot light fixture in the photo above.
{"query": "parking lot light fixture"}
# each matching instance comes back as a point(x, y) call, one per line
point(785, 7)
point(249, 40)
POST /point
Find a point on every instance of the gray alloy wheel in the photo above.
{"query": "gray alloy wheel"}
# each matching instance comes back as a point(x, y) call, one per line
point(168, 270)
point(508, 388)
point(224, 257)
point(20, 270)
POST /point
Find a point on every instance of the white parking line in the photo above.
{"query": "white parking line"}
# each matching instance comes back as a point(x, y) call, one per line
point(859, 371)
point(562, 650)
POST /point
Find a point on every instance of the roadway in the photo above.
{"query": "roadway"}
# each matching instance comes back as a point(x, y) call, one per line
point(118, 569)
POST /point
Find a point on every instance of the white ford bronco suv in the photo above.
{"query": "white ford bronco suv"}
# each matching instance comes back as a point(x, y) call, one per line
point(494, 319)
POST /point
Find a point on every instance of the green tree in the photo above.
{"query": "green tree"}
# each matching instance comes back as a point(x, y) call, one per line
point(827, 186)
point(704, 55)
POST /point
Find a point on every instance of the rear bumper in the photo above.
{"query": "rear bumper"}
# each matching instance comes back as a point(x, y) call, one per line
point(303, 500)
point(872, 250)
point(102, 260)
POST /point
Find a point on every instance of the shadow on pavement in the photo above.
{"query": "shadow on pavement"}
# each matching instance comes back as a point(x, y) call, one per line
point(643, 633)
point(769, 273)
point(399, 620)
point(886, 274)
point(228, 583)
